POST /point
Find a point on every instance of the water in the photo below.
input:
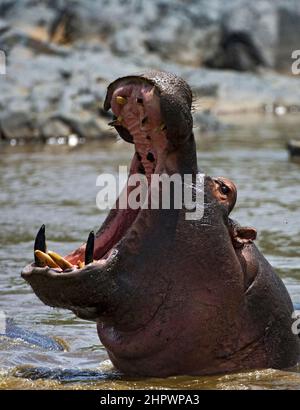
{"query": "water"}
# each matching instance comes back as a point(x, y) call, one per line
point(56, 185)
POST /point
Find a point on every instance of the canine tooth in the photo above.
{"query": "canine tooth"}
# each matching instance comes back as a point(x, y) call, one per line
point(120, 118)
point(80, 265)
point(44, 259)
point(60, 261)
point(40, 243)
point(89, 249)
point(121, 100)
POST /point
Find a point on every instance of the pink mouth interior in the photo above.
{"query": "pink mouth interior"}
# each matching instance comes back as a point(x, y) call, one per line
point(141, 116)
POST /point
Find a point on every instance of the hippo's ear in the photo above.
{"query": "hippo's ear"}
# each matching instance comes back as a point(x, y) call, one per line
point(243, 235)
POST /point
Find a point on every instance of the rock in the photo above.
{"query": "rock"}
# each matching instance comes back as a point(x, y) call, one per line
point(54, 127)
point(236, 51)
point(245, 92)
point(235, 34)
point(26, 13)
point(124, 41)
point(65, 27)
point(45, 97)
point(205, 121)
point(52, 90)
point(293, 147)
point(3, 26)
point(288, 36)
point(253, 34)
point(18, 124)
point(12, 38)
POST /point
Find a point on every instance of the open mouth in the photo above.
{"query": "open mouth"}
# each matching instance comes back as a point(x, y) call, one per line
point(135, 103)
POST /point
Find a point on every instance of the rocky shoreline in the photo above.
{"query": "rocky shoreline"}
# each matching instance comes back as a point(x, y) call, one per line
point(55, 86)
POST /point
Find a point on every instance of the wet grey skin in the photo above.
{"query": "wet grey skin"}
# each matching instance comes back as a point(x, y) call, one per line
point(13, 331)
point(172, 296)
point(63, 375)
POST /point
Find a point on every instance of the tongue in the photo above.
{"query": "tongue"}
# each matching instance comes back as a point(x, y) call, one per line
point(114, 231)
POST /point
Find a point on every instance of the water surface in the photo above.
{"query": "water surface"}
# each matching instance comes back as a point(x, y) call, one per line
point(56, 185)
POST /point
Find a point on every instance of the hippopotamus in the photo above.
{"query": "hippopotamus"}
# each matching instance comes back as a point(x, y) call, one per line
point(170, 295)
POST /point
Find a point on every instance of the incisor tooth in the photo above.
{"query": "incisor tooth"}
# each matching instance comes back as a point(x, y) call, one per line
point(44, 259)
point(61, 262)
point(121, 100)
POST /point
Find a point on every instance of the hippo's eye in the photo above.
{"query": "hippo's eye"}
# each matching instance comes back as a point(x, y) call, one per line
point(224, 188)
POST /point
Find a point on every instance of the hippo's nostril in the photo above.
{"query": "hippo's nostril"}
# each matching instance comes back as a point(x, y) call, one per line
point(150, 157)
point(89, 249)
point(139, 100)
point(141, 169)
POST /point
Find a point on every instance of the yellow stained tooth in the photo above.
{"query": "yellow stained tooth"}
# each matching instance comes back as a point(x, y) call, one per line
point(45, 259)
point(121, 100)
point(161, 127)
point(61, 262)
point(82, 264)
point(120, 118)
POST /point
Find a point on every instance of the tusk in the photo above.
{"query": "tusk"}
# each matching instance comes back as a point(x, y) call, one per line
point(60, 261)
point(89, 249)
point(44, 259)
